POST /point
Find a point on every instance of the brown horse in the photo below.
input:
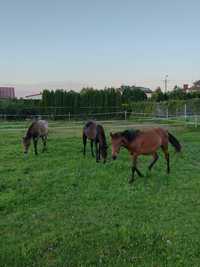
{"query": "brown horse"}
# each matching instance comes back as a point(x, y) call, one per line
point(38, 129)
point(96, 134)
point(144, 143)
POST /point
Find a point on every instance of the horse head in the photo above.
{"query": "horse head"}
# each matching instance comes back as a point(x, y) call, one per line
point(117, 141)
point(26, 144)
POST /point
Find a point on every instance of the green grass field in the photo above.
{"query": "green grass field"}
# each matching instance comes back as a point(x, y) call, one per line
point(60, 209)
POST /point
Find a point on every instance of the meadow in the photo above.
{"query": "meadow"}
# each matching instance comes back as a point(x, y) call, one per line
point(61, 209)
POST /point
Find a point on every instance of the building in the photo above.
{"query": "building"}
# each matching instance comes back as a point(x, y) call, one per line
point(7, 92)
point(194, 88)
point(186, 87)
point(147, 91)
point(34, 96)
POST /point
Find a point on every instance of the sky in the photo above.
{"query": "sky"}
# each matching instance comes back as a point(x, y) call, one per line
point(70, 44)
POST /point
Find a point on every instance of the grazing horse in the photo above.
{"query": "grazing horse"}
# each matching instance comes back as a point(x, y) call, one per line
point(38, 129)
point(144, 143)
point(96, 134)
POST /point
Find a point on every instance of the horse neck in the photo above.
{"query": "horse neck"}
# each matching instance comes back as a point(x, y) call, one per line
point(126, 143)
point(102, 141)
point(101, 137)
point(29, 133)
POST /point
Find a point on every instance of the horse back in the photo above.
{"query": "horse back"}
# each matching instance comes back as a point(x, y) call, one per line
point(42, 127)
point(148, 141)
point(163, 135)
point(38, 128)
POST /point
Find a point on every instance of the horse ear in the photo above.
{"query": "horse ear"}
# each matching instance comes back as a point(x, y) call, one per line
point(111, 134)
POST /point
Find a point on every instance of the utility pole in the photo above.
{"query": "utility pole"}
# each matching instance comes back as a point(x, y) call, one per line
point(166, 76)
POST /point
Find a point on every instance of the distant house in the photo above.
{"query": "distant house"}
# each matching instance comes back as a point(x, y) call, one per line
point(7, 92)
point(185, 87)
point(34, 96)
point(147, 91)
point(194, 88)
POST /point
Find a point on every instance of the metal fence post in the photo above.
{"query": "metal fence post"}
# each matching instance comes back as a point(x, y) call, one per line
point(196, 121)
point(185, 111)
point(125, 115)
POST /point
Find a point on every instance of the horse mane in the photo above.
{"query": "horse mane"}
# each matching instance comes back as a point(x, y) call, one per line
point(89, 123)
point(29, 131)
point(100, 129)
point(130, 135)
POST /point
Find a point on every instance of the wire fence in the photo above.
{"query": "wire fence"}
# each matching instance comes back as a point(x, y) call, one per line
point(182, 118)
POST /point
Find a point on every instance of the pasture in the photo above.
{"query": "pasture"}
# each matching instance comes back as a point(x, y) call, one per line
point(60, 209)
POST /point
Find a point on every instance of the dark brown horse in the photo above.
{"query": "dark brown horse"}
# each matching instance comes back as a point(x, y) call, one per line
point(38, 129)
point(96, 134)
point(144, 143)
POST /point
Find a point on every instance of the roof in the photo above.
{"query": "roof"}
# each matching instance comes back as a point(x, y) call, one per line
point(33, 95)
point(146, 90)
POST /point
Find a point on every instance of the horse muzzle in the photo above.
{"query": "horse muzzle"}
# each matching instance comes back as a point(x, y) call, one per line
point(114, 157)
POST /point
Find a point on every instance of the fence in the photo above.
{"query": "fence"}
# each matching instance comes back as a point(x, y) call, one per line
point(180, 118)
point(172, 108)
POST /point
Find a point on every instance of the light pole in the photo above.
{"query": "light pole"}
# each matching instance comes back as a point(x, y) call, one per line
point(166, 76)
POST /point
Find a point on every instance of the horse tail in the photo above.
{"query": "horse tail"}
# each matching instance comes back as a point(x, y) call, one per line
point(174, 142)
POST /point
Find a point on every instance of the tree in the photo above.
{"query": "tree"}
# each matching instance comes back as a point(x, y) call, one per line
point(132, 94)
point(196, 84)
point(177, 94)
point(158, 95)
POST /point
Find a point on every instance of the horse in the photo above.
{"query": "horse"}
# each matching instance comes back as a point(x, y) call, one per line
point(144, 142)
point(95, 132)
point(38, 129)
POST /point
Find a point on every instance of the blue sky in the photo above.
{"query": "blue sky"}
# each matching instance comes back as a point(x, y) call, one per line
point(98, 43)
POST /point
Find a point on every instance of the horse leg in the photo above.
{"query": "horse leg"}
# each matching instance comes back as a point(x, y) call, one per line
point(166, 153)
point(134, 168)
point(92, 152)
point(137, 170)
point(35, 140)
point(99, 154)
point(97, 151)
point(155, 158)
point(44, 140)
point(131, 180)
point(84, 143)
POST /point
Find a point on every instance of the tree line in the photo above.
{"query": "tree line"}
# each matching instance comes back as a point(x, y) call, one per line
point(91, 101)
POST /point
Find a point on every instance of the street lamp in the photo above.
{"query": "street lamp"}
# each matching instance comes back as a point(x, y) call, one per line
point(166, 77)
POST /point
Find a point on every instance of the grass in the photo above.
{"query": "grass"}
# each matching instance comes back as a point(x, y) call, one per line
point(60, 209)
